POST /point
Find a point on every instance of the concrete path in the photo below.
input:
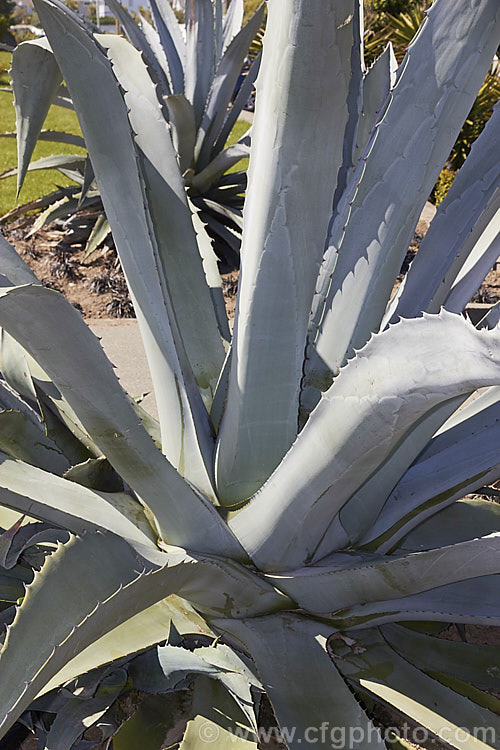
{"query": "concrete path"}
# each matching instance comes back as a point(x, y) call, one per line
point(122, 343)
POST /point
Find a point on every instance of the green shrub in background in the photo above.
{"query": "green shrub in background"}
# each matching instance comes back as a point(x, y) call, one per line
point(6, 11)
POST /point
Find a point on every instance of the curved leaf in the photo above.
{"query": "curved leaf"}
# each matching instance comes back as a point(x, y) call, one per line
point(72, 357)
point(290, 655)
point(447, 62)
point(442, 246)
point(381, 394)
point(35, 81)
point(372, 664)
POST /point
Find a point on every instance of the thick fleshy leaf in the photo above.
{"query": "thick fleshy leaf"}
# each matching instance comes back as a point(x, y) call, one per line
point(140, 41)
point(377, 83)
point(456, 462)
point(354, 101)
point(476, 664)
point(13, 266)
point(100, 231)
point(59, 618)
point(55, 136)
point(72, 357)
point(391, 384)
point(218, 718)
point(377, 668)
point(46, 496)
point(239, 104)
point(89, 75)
point(222, 89)
point(22, 438)
point(359, 513)
point(475, 601)
point(346, 579)
point(200, 54)
point(77, 715)
point(35, 80)
point(290, 655)
point(280, 254)
point(177, 247)
point(233, 21)
point(224, 160)
point(141, 631)
point(446, 62)
point(443, 245)
point(170, 668)
point(462, 520)
point(483, 256)
point(172, 42)
point(56, 161)
point(183, 126)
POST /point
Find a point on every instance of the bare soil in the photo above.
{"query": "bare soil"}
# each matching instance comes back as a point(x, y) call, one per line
point(95, 285)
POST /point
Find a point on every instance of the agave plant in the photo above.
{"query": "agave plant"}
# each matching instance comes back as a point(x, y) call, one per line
point(305, 506)
point(196, 70)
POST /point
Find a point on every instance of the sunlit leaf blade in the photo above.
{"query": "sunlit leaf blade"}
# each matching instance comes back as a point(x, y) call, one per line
point(58, 619)
point(141, 631)
point(346, 580)
point(442, 246)
point(200, 54)
point(475, 601)
point(446, 63)
point(222, 89)
point(88, 73)
point(281, 252)
point(172, 42)
point(377, 82)
point(141, 42)
point(381, 394)
point(462, 520)
point(217, 718)
point(473, 663)
point(32, 315)
point(46, 496)
point(177, 246)
point(376, 667)
point(456, 462)
point(290, 655)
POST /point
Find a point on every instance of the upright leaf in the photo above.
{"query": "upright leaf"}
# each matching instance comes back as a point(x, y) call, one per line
point(35, 80)
point(284, 242)
point(446, 63)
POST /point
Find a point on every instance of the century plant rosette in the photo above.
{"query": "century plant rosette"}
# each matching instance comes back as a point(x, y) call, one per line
point(303, 500)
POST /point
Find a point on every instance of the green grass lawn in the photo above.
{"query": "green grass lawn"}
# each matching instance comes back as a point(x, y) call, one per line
point(40, 183)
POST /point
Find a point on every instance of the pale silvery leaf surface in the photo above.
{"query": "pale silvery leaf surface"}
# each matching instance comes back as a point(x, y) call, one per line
point(452, 717)
point(87, 71)
point(281, 253)
point(31, 314)
point(379, 210)
point(444, 245)
point(379, 396)
point(290, 654)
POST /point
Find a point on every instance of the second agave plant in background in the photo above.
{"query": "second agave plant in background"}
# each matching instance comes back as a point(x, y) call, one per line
point(196, 68)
